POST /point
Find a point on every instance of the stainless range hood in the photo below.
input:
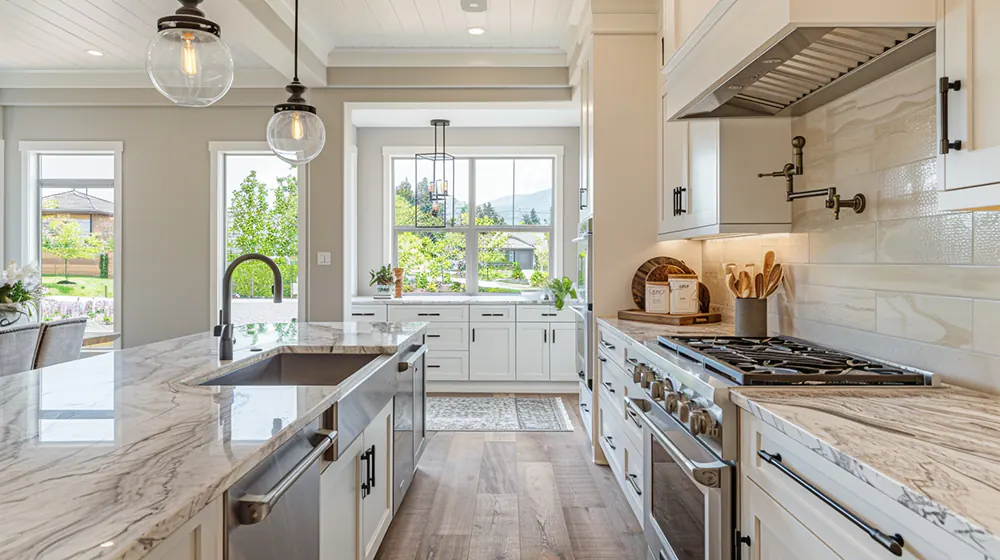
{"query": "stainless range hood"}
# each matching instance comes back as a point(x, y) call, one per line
point(753, 58)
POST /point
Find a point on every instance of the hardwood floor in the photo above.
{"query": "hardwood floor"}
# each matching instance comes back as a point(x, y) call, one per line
point(513, 496)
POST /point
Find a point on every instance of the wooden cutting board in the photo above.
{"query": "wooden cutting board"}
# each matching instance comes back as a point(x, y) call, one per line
point(673, 320)
point(669, 265)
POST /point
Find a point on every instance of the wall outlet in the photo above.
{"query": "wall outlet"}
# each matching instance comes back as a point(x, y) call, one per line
point(324, 259)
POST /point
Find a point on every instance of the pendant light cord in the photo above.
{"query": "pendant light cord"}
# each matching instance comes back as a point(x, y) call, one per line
point(296, 77)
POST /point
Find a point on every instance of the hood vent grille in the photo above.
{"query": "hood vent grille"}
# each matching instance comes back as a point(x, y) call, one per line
point(812, 66)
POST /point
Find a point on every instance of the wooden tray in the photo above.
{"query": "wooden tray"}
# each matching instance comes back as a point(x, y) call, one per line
point(674, 320)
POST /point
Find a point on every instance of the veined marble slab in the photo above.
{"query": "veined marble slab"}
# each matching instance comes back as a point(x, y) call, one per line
point(642, 332)
point(107, 456)
point(499, 299)
point(934, 451)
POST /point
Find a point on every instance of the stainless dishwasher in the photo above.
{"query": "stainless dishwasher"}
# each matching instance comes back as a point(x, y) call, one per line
point(408, 422)
point(273, 511)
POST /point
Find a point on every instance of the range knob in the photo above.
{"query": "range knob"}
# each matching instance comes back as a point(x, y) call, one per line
point(656, 390)
point(668, 384)
point(673, 401)
point(685, 411)
point(701, 422)
point(637, 375)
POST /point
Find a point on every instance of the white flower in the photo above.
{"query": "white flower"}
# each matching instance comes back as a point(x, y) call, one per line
point(14, 274)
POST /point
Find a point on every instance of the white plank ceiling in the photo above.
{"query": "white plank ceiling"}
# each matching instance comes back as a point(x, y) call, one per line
point(56, 34)
point(439, 24)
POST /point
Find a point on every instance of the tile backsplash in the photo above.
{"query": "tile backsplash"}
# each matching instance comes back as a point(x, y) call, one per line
point(903, 281)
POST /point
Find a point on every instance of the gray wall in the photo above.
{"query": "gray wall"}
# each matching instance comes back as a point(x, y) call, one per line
point(371, 183)
point(165, 168)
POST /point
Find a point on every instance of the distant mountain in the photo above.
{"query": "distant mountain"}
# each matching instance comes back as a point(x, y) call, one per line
point(521, 205)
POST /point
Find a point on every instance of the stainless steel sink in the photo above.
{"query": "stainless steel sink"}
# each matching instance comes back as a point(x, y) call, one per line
point(297, 369)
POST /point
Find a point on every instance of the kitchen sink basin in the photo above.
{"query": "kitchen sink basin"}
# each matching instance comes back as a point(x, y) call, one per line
point(297, 369)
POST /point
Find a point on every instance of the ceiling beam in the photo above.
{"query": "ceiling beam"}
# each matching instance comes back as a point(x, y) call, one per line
point(256, 25)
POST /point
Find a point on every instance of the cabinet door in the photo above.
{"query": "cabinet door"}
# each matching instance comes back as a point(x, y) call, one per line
point(774, 533)
point(967, 46)
point(703, 140)
point(340, 506)
point(532, 351)
point(376, 507)
point(200, 538)
point(562, 352)
point(491, 353)
point(673, 173)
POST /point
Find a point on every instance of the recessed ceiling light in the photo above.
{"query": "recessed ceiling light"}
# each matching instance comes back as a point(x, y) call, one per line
point(93, 52)
point(477, 30)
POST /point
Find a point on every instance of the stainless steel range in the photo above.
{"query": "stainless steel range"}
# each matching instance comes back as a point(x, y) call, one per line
point(690, 427)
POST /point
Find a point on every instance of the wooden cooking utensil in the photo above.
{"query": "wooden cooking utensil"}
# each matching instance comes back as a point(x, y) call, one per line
point(768, 263)
point(731, 269)
point(745, 284)
point(731, 283)
point(773, 280)
point(751, 268)
point(758, 285)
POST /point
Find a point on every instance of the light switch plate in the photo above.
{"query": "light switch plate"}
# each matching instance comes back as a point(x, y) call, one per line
point(324, 259)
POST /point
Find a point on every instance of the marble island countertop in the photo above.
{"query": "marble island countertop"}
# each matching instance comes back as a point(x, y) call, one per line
point(107, 456)
point(445, 299)
point(935, 451)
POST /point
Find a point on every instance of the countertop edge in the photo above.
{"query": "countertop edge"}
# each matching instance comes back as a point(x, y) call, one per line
point(941, 516)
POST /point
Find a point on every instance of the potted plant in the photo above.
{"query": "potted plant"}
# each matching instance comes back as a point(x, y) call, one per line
point(561, 288)
point(20, 291)
point(383, 280)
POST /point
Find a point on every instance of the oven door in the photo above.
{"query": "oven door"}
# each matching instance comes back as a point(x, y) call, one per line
point(688, 491)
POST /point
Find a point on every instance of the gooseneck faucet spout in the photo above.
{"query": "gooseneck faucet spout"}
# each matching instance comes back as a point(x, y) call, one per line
point(224, 330)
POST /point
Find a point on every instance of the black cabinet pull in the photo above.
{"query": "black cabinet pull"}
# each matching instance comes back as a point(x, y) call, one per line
point(610, 441)
point(635, 486)
point(634, 416)
point(608, 345)
point(432, 366)
point(679, 201)
point(545, 336)
point(553, 336)
point(428, 314)
point(602, 359)
point(473, 335)
point(364, 485)
point(363, 314)
point(581, 374)
point(372, 464)
point(607, 384)
point(584, 407)
point(433, 336)
point(549, 314)
point(944, 88)
point(892, 543)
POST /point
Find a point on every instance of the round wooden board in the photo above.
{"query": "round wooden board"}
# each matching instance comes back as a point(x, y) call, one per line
point(639, 279)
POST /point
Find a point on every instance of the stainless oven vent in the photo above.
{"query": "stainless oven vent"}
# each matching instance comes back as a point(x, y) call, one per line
point(812, 66)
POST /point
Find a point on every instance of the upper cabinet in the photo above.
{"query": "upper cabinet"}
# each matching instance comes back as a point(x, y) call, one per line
point(586, 92)
point(969, 116)
point(708, 182)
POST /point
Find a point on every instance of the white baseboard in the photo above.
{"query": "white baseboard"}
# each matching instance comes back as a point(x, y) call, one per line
point(555, 387)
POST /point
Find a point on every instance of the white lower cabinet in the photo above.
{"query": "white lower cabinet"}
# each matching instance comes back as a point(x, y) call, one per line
point(774, 533)
point(546, 352)
point(356, 495)
point(201, 538)
point(492, 352)
point(444, 365)
point(562, 352)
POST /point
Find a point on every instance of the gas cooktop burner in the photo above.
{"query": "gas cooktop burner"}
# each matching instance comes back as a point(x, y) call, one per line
point(785, 361)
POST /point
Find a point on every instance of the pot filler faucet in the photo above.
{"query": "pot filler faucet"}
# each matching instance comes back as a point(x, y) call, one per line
point(224, 329)
point(833, 200)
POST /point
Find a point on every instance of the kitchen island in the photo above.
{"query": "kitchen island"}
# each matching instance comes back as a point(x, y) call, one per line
point(108, 456)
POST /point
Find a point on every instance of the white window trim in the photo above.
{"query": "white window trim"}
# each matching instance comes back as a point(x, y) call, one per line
point(218, 151)
point(31, 247)
point(472, 283)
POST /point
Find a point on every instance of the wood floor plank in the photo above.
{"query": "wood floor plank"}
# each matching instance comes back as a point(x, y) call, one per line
point(543, 529)
point(444, 547)
point(498, 472)
point(455, 501)
point(635, 546)
point(404, 536)
point(576, 485)
point(424, 487)
point(591, 534)
point(495, 531)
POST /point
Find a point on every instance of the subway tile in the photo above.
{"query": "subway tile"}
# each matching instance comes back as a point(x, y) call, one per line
point(938, 320)
point(788, 247)
point(943, 239)
point(908, 191)
point(986, 326)
point(911, 89)
point(906, 138)
point(956, 281)
point(853, 153)
point(836, 306)
point(986, 238)
point(852, 244)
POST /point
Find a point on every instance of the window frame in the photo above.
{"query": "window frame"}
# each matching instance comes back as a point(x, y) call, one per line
point(471, 230)
point(31, 205)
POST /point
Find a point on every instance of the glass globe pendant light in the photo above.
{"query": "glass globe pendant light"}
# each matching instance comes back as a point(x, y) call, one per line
point(187, 61)
point(295, 132)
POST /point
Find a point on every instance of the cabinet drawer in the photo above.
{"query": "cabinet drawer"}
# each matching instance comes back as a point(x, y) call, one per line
point(447, 336)
point(610, 433)
point(374, 313)
point(922, 538)
point(544, 314)
point(429, 313)
point(443, 365)
point(632, 478)
point(612, 345)
point(492, 313)
point(586, 408)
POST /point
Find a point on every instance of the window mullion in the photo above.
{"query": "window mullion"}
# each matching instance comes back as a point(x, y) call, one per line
point(471, 238)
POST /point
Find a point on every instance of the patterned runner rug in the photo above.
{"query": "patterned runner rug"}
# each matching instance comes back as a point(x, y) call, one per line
point(497, 414)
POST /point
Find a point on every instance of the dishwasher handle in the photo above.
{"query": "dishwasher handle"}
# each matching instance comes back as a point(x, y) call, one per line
point(411, 360)
point(254, 508)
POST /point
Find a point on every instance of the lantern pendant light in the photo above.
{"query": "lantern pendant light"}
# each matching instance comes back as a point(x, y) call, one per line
point(187, 61)
point(437, 183)
point(295, 132)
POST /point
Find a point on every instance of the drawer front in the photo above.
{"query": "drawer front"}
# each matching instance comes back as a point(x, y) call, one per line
point(922, 538)
point(369, 313)
point(612, 345)
point(447, 336)
point(610, 435)
point(586, 408)
point(544, 314)
point(443, 365)
point(430, 313)
point(492, 313)
point(619, 384)
point(633, 475)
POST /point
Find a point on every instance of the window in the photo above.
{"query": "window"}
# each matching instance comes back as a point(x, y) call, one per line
point(255, 210)
point(73, 192)
point(506, 248)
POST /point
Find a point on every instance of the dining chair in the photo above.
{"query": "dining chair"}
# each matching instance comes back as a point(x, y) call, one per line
point(17, 348)
point(60, 341)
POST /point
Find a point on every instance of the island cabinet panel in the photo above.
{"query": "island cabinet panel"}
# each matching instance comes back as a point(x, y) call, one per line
point(492, 352)
point(774, 533)
point(201, 538)
point(789, 499)
point(377, 505)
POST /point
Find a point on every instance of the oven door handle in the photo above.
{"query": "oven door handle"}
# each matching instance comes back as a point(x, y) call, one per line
point(708, 475)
